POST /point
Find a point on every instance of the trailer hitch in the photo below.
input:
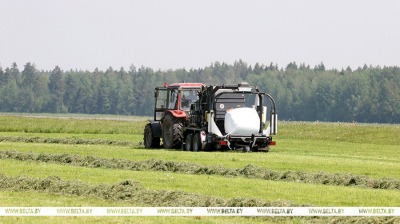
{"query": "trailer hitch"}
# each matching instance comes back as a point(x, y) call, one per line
point(245, 148)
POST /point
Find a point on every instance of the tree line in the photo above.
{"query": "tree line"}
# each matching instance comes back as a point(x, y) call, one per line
point(367, 94)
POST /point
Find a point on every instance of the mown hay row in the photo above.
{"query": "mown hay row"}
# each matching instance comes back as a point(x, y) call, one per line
point(66, 141)
point(248, 171)
point(131, 191)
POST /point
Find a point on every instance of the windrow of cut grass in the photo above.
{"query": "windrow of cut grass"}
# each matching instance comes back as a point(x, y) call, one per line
point(67, 140)
point(118, 137)
point(131, 190)
point(35, 199)
point(11, 199)
point(250, 171)
point(212, 185)
point(78, 126)
point(385, 164)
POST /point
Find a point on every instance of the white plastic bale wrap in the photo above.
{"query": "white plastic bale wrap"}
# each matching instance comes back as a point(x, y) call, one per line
point(242, 121)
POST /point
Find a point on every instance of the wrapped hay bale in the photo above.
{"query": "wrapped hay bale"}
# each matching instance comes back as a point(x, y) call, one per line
point(242, 121)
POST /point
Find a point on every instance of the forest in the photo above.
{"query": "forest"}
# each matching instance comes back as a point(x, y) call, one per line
point(368, 94)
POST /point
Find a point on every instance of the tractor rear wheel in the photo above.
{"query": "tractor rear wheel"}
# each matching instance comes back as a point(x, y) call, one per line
point(149, 140)
point(171, 132)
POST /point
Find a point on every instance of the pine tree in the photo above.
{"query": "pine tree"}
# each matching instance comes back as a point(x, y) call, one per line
point(8, 97)
point(28, 74)
point(83, 95)
point(71, 90)
point(15, 74)
point(1, 77)
point(41, 93)
point(57, 88)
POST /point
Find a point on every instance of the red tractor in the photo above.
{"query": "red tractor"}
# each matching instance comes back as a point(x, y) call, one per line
point(195, 117)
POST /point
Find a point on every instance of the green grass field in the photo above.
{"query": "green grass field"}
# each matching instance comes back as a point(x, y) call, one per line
point(75, 126)
point(119, 137)
point(358, 149)
point(76, 115)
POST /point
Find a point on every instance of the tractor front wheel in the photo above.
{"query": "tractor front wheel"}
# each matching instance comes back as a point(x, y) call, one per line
point(149, 140)
point(171, 132)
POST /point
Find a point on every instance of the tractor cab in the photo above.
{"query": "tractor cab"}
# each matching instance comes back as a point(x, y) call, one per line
point(176, 98)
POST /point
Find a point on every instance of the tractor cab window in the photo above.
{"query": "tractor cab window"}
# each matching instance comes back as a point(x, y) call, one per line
point(161, 95)
point(188, 97)
point(161, 99)
point(172, 98)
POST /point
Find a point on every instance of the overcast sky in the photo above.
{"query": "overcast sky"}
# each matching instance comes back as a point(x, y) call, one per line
point(85, 34)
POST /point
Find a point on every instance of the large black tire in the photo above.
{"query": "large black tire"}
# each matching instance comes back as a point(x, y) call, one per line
point(149, 140)
point(171, 132)
point(197, 144)
point(189, 142)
